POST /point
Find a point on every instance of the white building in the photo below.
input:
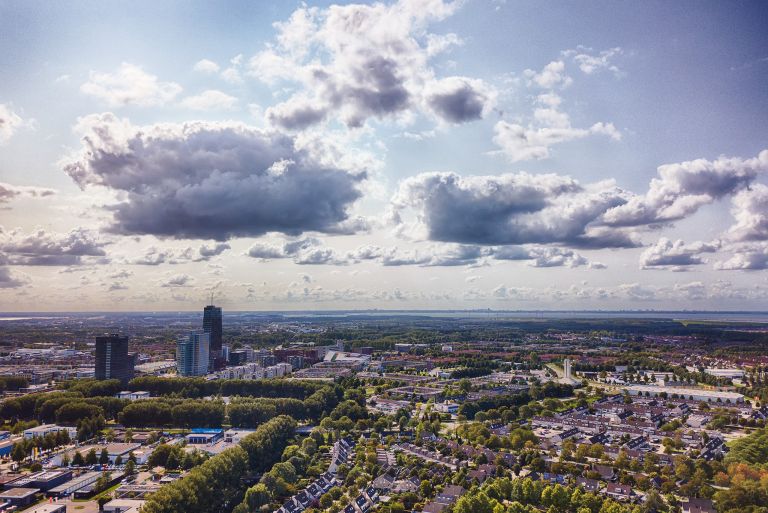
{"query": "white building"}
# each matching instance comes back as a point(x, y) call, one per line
point(726, 373)
point(41, 431)
point(192, 354)
point(694, 394)
point(355, 361)
point(567, 368)
point(133, 396)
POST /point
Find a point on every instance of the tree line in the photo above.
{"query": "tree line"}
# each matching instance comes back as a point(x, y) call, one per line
point(218, 484)
point(550, 389)
point(77, 405)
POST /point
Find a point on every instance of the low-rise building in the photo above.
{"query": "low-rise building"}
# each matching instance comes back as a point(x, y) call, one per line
point(692, 394)
point(133, 396)
point(20, 497)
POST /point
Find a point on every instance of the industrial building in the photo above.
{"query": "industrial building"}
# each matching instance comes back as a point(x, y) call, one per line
point(692, 394)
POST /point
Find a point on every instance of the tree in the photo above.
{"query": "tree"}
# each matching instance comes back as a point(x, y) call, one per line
point(104, 456)
point(77, 459)
point(258, 496)
point(173, 462)
point(654, 503)
point(130, 468)
point(18, 453)
point(91, 458)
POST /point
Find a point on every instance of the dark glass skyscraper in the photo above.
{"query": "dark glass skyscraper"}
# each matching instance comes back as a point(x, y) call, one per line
point(212, 324)
point(112, 358)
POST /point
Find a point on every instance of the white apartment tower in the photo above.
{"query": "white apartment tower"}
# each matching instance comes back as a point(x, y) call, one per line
point(192, 354)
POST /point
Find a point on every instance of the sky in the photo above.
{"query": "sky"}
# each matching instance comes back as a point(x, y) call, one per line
point(410, 154)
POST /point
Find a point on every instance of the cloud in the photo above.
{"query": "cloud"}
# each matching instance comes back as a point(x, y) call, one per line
point(442, 256)
point(130, 85)
point(514, 293)
point(208, 252)
point(154, 256)
point(553, 75)
point(557, 257)
point(590, 62)
point(9, 192)
point(157, 256)
point(206, 66)
point(178, 280)
point(9, 280)
point(357, 62)
point(520, 143)
point(10, 122)
point(749, 257)
point(209, 100)
point(307, 251)
point(750, 209)
point(214, 180)
point(116, 286)
point(313, 251)
point(44, 248)
point(299, 114)
point(677, 255)
point(460, 99)
point(232, 73)
point(507, 209)
point(682, 188)
point(549, 124)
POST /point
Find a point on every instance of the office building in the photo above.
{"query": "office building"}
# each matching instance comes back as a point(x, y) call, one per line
point(192, 354)
point(112, 358)
point(567, 367)
point(212, 324)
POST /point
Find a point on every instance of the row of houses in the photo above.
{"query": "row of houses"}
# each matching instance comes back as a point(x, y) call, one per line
point(340, 454)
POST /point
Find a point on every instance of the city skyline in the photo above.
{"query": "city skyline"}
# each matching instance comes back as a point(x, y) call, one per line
point(411, 154)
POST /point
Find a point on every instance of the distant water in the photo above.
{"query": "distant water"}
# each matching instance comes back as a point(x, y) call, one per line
point(717, 316)
point(582, 314)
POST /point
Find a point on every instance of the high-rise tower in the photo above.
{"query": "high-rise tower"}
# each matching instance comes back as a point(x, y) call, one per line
point(112, 358)
point(212, 324)
point(192, 354)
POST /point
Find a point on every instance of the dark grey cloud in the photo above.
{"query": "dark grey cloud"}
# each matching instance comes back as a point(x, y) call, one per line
point(205, 253)
point(508, 210)
point(356, 62)
point(296, 115)
point(459, 99)
point(211, 180)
